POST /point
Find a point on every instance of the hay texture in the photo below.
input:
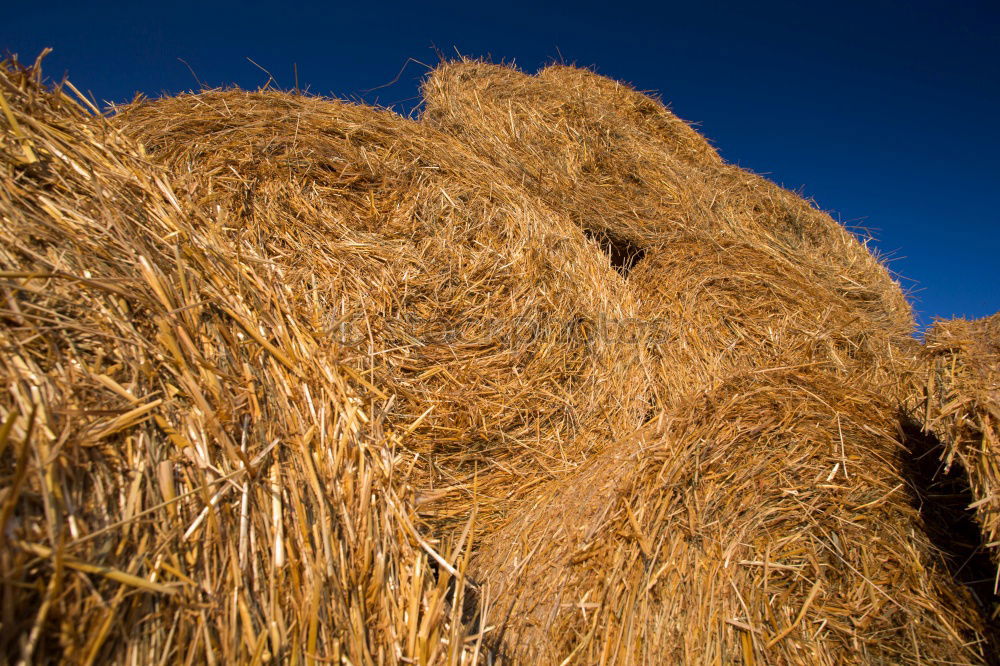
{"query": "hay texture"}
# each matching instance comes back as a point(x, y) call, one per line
point(534, 378)
point(395, 229)
point(191, 471)
point(723, 307)
point(470, 300)
point(959, 385)
point(678, 221)
point(779, 345)
point(759, 523)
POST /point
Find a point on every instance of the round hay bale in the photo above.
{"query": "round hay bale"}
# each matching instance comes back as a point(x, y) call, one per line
point(716, 308)
point(761, 522)
point(190, 473)
point(634, 175)
point(232, 352)
point(747, 287)
point(593, 154)
point(466, 301)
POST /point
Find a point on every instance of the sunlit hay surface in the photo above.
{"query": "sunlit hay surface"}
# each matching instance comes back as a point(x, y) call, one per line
point(628, 170)
point(956, 397)
point(722, 307)
point(468, 299)
point(761, 522)
point(191, 471)
point(280, 371)
point(390, 226)
point(744, 285)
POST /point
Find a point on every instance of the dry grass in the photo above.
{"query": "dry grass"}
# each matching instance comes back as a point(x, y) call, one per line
point(280, 371)
point(466, 293)
point(754, 272)
point(958, 384)
point(191, 471)
point(733, 307)
point(786, 347)
point(763, 521)
point(623, 166)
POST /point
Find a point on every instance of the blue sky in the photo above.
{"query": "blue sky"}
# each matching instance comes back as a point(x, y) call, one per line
point(886, 113)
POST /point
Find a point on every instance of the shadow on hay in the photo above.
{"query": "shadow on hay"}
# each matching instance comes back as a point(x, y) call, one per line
point(471, 617)
point(622, 253)
point(943, 499)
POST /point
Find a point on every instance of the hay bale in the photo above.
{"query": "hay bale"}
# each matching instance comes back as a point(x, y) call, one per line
point(959, 387)
point(617, 162)
point(779, 341)
point(191, 470)
point(647, 187)
point(720, 307)
point(468, 295)
point(621, 163)
point(762, 522)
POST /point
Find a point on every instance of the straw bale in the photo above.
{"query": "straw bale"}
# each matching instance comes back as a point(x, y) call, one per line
point(189, 471)
point(779, 343)
point(762, 522)
point(570, 133)
point(721, 307)
point(958, 385)
point(279, 371)
point(617, 162)
point(473, 300)
point(632, 174)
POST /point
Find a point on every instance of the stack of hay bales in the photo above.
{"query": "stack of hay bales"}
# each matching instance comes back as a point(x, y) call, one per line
point(537, 377)
point(776, 381)
point(301, 284)
point(959, 389)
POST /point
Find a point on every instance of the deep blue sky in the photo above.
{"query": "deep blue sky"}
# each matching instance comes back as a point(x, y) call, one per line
point(886, 113)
